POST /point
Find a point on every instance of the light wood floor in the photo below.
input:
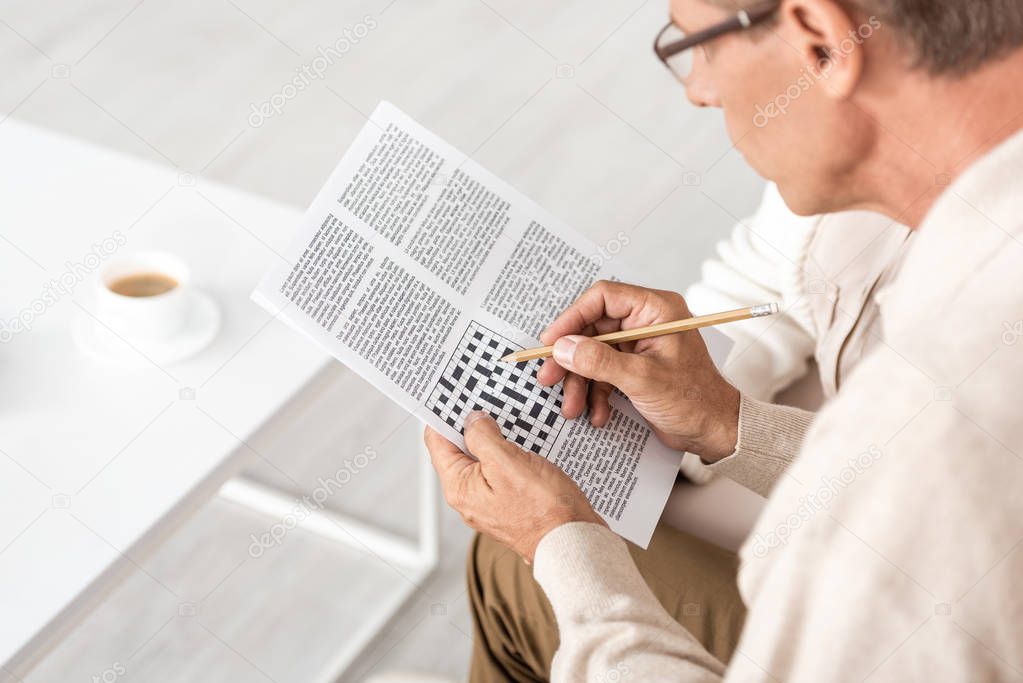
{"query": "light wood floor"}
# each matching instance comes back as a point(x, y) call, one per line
point(565, 100)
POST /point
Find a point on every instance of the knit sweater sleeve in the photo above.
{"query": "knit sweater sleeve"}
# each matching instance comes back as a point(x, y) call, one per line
point(611, 625)
point(770, 437)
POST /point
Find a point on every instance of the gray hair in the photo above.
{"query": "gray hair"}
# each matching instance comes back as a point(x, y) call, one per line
point(950, 37)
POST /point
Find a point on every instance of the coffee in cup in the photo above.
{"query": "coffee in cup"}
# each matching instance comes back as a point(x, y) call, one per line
point(143, 284)
point(143, 295)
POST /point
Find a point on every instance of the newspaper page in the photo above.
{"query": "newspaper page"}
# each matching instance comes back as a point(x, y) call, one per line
point(418, 269)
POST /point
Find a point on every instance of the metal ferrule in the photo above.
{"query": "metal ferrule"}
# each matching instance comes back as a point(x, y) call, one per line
point(763, 309)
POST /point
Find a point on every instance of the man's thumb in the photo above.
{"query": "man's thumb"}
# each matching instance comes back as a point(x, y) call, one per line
point(483, 437)
point(598, 361)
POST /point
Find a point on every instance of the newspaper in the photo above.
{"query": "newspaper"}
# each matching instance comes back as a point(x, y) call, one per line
point(419, 270)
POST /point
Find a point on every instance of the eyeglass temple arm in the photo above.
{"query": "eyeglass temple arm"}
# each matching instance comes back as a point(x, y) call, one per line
point(741, 21)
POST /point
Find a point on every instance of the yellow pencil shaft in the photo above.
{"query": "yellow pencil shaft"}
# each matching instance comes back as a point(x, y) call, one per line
point(657, 330)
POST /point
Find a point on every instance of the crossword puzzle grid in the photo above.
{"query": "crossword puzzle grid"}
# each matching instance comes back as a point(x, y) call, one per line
point(476, 379)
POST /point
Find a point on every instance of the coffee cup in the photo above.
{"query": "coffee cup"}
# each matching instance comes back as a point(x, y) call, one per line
point(144, 295)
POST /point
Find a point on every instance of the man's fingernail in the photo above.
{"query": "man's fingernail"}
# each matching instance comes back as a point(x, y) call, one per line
point(474, 417)
point(564, 349)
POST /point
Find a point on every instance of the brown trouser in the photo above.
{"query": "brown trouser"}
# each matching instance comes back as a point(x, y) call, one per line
point(515, 635)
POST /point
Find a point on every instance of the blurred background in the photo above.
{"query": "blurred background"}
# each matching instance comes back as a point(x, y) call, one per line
point(564, 100)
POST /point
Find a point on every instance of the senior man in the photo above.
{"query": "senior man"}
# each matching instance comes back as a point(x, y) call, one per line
point(892, 540)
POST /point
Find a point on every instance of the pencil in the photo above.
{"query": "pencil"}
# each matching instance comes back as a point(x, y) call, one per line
point(657, 330)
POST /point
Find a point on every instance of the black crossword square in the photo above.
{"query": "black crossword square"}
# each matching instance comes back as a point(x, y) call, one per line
point(475, 378)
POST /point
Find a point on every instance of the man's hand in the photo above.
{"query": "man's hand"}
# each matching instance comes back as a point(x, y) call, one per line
point(671, 380)
point(510, 494)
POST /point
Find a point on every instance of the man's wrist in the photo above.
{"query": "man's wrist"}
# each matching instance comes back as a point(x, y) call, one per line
point(548, 526)
point(722, 432)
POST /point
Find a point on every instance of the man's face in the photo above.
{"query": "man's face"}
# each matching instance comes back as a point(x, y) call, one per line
point(777, 109)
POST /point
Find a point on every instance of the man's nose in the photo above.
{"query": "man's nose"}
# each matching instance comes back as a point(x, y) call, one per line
point(699, 86)
point(700, 93)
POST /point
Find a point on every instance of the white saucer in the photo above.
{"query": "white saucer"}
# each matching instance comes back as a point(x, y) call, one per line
point(199, 329)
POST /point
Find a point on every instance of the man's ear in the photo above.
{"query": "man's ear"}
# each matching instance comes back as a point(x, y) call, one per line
point(829, 41)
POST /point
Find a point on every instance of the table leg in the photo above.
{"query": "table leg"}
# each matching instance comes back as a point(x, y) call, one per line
point(415, 561)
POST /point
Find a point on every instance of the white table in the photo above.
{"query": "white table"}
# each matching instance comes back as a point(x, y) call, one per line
point(99, 463)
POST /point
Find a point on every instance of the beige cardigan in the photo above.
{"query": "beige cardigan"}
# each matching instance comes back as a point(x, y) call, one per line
point(893, 546)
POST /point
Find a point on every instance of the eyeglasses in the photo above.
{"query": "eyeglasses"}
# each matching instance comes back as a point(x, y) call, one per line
point(674, 47)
